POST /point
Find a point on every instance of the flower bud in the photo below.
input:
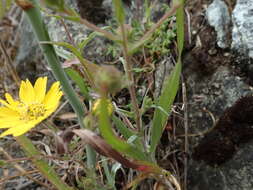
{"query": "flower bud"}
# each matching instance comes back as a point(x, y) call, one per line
point(108, 80)
point(96, 107)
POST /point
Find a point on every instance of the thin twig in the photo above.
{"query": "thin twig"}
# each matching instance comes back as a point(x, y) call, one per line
point(68, 33)
point(175, 163)
point(97, 29)
point(186, 143)
point(188, 26)
point(22, 170)
point(14, 160)
point(8, 178)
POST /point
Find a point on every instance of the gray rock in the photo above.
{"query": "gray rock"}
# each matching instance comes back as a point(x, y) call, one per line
point(242, 19)
point(29, 60)
point(216, 93)
point(218, 17)
point(58, 33)
point(236, 174)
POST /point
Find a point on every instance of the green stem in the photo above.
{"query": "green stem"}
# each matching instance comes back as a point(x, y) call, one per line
point(44, 168)
point(41, 33)
point(32, 11)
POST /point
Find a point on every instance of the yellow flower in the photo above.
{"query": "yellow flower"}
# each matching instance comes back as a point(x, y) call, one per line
point(34, 106)
point(96, 107)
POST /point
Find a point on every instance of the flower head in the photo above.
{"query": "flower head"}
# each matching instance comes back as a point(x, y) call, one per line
point(97, 107)
point(34, 105)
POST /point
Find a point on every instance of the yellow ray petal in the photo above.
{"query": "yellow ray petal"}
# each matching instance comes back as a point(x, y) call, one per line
point(17, 131)
point(6, 104)
point(40, 89)
point(10, 123)
point(26, 92)
point(23, 92)
point(53, 102)
point(9, 98)
point(13, 104)
point(52, 94)
point(51, 110)
point(30, 91)
point(7, 112)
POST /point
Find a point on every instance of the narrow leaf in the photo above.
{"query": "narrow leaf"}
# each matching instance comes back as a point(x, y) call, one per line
point(110, 178)
point(126, 132)
point(166, 99)
point(180, 26)
point(116, 143)
point(102, 147)
point(74, 75)
point(119, 11)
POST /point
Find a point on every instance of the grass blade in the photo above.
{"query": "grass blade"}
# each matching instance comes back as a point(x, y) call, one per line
point(166, 99)
point(171, 85)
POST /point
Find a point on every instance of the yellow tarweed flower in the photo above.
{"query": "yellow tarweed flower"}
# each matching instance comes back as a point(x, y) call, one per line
point(96, 107)
point(34, 106)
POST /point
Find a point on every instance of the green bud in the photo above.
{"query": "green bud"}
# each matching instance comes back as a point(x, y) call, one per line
point(108, 80)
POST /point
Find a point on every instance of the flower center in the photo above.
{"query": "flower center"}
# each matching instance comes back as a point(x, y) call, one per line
point(35, 111)
point(32, 111)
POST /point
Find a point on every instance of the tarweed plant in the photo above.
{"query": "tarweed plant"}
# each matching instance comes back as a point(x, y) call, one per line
point(129, 146)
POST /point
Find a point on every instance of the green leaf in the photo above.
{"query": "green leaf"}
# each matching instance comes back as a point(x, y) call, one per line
point(88, 67)
point(47, 170)
point(126, 132)
point(166, 99)
point(171, 84)
point(180, 26)
point(74, 75)
point(90, 37)
point(109, 136)
point(110, 178)
point(119, 11)
point(2, 163)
